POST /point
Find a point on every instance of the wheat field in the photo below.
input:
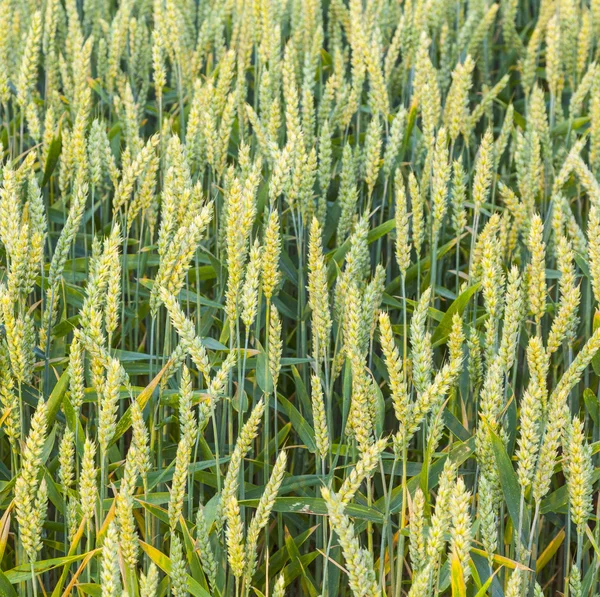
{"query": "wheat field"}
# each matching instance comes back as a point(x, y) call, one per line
point(299, 297)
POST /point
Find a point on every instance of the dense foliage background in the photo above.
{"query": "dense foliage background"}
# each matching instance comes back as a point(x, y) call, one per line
point(298, 297)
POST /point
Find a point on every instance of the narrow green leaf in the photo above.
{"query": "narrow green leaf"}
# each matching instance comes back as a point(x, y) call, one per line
point(263, 373)
point(316, 506)
point(52, 158)
point(510, 486)
point(442, 331)
point(591, 404)
point(142, 399)
point(56, 397)
point(6, 589)
point(304, 430)
point(164, 563)
point(23, 572)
